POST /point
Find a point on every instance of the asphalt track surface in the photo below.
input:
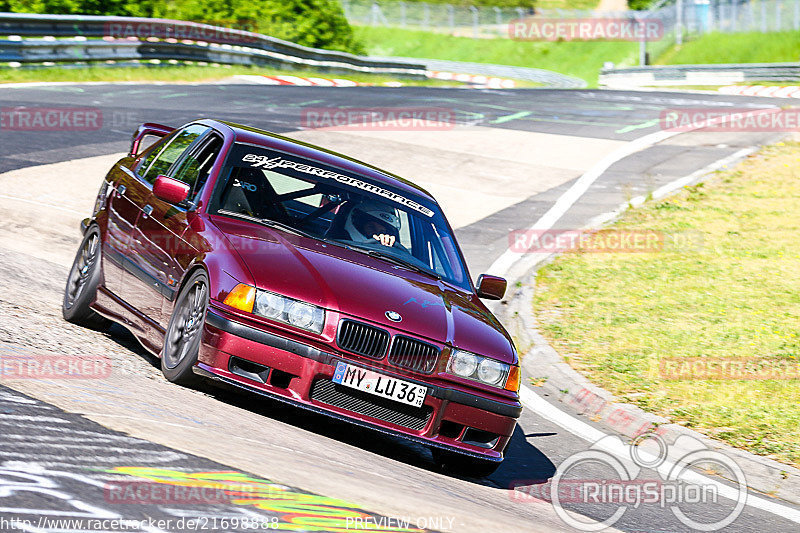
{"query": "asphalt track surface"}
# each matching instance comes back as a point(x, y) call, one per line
point(79, 456)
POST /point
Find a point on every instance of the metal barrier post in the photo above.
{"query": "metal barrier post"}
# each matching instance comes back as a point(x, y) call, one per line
point(643, 42)
point(797, 14)
point(451, 17)
point(373, 20)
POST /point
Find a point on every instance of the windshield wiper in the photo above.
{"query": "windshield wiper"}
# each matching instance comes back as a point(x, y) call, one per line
point(397, 261)
point(269, 223)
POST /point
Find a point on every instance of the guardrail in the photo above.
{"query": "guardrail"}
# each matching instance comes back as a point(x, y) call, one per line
point(721, 74)
point(545, 77)
point(96, 38)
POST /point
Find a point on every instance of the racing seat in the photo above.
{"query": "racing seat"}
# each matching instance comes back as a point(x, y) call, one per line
point(250, 193)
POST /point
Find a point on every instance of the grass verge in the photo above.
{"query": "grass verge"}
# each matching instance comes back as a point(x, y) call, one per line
point(620, 318)
point(582, 59)
point(188, 73)
point(735, 48)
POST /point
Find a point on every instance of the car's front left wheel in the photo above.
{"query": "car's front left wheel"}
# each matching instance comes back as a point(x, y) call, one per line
point(82, 282)
point(184, 332)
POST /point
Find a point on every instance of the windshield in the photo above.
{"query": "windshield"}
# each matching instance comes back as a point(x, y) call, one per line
point(326, 203)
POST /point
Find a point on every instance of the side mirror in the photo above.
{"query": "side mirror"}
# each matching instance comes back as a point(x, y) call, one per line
point(148, 128)
point(491, 287)
point(170, 190)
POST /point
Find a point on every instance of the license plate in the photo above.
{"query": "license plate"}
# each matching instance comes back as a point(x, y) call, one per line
point(387, 387)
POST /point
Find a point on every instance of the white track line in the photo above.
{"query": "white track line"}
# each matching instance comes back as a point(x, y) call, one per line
point(503, 264)
point(670, 187)
point(583, 430)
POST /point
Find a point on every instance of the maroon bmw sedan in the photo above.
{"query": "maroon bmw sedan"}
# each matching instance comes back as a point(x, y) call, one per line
point(296, 273)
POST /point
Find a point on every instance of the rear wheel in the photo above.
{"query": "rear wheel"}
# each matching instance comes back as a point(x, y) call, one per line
point(463, 465)
point(82, 282)
point(184, 332)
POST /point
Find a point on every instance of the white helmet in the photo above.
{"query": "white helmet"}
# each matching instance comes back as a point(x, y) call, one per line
point(371, 211)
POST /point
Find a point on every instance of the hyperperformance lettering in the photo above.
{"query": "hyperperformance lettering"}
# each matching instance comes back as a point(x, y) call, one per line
point(261, 161)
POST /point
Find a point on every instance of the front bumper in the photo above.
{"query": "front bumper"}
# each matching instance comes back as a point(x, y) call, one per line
point(257, 360)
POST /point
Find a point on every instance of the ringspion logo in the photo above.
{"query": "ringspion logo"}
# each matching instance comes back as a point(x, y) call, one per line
point(624, 486)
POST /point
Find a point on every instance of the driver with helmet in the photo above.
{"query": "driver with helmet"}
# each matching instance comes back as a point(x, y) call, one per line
point(370, 221)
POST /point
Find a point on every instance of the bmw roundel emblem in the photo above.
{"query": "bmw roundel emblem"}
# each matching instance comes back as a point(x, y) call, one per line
point(394, 316)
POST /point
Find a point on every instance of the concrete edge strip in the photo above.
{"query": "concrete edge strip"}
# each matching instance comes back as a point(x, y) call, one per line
point(764, 474)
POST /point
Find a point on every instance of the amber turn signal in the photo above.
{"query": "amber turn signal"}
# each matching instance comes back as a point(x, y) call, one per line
point(242, 297)
point(512, 383)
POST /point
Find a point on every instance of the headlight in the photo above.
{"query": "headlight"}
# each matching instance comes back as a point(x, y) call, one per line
point(481, 369)
point(277, 307)
point(491, 371)
point(269, 304)
point(463, 364)
point(302, 315)
point(290, 311)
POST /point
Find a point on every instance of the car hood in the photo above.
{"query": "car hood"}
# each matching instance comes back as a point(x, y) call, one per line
point(365, 287)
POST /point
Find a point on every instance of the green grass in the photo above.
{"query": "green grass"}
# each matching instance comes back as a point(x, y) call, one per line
point(580, 59)
point(616, 316)
point(189, 73)
point(736, 48)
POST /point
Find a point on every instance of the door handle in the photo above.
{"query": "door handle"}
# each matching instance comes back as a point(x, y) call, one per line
point(121, 190)
point(147, 211)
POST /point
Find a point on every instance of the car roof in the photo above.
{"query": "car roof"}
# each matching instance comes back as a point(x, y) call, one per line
point(247, 134)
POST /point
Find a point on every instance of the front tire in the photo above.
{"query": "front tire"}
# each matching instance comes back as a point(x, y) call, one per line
point(463, 465)
point(184, 332)
point(82, 282)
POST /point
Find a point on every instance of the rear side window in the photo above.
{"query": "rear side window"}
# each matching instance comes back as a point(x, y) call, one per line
point(196, 168)
point(170, 153)
point(158, 146)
